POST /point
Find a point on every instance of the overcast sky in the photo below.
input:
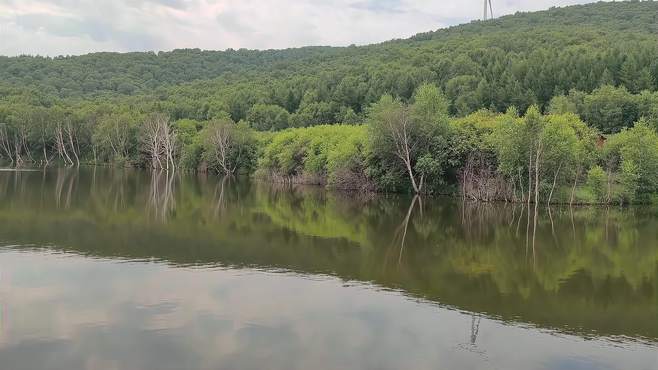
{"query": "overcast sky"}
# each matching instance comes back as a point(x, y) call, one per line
point(56, 27)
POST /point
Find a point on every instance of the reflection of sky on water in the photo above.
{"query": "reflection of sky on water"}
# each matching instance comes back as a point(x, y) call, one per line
point(73, 312)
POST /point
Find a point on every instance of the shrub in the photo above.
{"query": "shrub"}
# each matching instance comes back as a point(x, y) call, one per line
point(597, 182)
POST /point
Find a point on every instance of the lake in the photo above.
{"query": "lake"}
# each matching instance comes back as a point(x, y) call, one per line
point(123, 269)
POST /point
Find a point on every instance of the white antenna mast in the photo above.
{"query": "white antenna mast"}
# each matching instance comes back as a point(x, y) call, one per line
point(488, 10)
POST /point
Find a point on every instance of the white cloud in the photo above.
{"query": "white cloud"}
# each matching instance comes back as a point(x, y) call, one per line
point(54, 27)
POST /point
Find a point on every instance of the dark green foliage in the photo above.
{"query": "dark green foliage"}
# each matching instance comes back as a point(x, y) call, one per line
point(517, 60)
point(562, 76)
point(263, 117)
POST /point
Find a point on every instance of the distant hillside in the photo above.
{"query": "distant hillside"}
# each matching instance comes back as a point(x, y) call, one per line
point(515, 60)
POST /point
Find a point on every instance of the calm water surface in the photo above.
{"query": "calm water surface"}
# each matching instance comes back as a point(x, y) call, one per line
point(119, 269)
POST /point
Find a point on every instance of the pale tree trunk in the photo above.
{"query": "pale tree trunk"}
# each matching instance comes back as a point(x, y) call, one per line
point(575, 184)
point(529, 179)
point(521, 186)
point(403, 147)
point(72, 140)
point(61, 145)
point(170, 146)
point(550, 196)
point(23, 142)
point(5, 144)
point(46, 161)
point(222, 140)
point(19, 146)
point(537, 169)
point(160, 142)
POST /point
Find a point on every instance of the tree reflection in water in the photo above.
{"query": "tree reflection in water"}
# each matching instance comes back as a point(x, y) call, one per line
point(580, 270)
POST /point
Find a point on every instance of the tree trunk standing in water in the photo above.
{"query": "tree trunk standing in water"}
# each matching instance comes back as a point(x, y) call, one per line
point(5, 143)
point(530, 179)
point(521, 185)
point(18, 147)
point(70, 133)
point(60, 144)
point(550, 196)
point(575, 184)
point(94, 152)
point(609, 195)
point(24, 134)
point(537, 169)
point(45, 156)
point(168, 144)
point(151, 132)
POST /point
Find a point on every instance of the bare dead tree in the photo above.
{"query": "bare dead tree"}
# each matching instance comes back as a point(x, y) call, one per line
point(398, 126)
point(168, 144)
point(71, 134)
point(160, 142)
point(151, 141)
point(23, 135)
point(226, 150)
point(13, 141)
point(6, 143)
point(575, 184)
point(61, 143)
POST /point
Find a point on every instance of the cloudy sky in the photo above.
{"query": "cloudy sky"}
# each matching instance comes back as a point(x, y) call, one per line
point(56, 27)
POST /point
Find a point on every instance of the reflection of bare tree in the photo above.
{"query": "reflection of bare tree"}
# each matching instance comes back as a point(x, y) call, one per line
point(405, 226)
point(118, 187)
point(534, 231)
point(161, 195)
point(573, 224)
point(4, 185)
point(18, 182)
point(475, 328)
point(518, 223)
point(220, 201)
point(472, 346)
point(477, 218)
point(550, 216)
point(64, 186)
point(400, 236)
point(527, 231)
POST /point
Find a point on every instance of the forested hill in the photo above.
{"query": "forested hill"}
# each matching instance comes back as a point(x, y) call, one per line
point(516, 60)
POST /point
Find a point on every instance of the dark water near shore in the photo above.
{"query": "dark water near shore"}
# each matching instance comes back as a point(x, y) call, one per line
point(122, 269)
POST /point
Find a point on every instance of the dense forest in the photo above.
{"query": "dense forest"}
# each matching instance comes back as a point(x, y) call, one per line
point(552, 106)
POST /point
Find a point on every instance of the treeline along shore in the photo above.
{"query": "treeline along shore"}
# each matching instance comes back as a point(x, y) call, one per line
point(557, 106)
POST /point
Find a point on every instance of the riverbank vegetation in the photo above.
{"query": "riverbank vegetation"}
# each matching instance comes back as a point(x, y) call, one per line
point(565, 112)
